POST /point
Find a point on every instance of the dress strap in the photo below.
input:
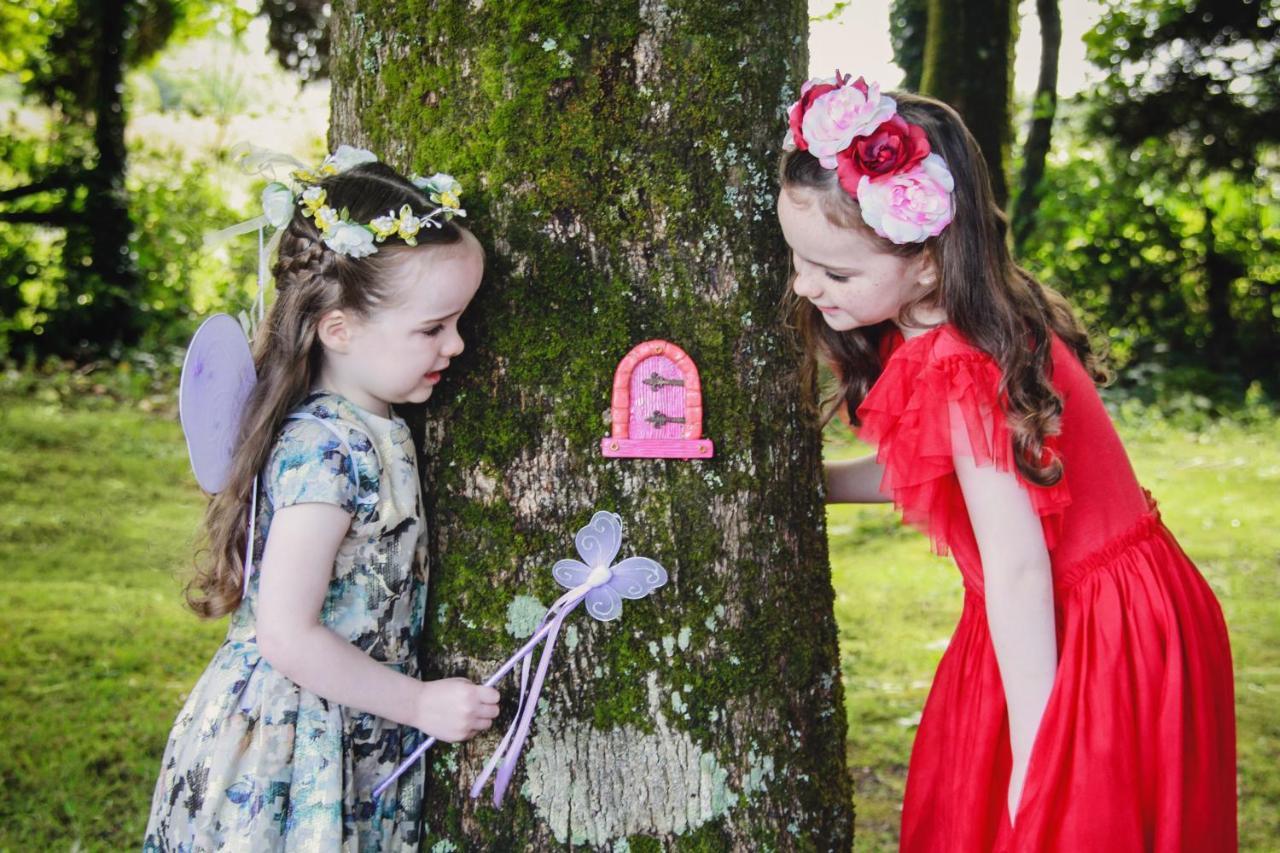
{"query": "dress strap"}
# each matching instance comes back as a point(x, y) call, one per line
point(355, 463)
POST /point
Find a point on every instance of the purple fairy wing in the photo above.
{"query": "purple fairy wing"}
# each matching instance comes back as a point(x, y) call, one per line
point(217, 377)
point(570, 573)
point(604, 603)
point(636, 577)
point(599, 541)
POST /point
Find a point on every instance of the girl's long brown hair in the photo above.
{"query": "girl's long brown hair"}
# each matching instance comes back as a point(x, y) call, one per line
point(311, 280)
point(995, 304)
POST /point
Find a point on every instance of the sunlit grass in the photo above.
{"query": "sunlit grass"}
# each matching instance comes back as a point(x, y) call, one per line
point(98, 513)
point(96, 522)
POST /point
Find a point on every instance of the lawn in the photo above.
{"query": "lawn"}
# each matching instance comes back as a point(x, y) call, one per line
point(98, 512)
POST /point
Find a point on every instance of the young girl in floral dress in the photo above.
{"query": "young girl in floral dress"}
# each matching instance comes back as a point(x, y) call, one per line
point(315, 694)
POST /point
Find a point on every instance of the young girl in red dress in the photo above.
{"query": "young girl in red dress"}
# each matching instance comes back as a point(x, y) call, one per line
point(1085, 701)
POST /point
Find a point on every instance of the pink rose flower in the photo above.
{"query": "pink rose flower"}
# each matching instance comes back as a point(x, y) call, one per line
point(890, 149)
point(810, 90)
point(834, 117)
point(912, 206)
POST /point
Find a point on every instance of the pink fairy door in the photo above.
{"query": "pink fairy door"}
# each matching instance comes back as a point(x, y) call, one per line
point(657, 399)
point(657, 405)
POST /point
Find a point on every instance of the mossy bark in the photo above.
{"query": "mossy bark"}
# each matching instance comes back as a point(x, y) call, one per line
point(618, 160)
point(968, 63)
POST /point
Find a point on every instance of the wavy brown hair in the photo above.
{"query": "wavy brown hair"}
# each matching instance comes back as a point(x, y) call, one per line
point(995, 304)
point(310, 280)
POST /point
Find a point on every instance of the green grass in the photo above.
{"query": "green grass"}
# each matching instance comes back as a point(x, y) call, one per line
point(97, 517)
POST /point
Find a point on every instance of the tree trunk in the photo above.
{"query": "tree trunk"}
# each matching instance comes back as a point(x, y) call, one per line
point(908, 33)
point(968, 62)
point(1220, 272)
point(1043, 109)
point(619, 162)
point(108, 279)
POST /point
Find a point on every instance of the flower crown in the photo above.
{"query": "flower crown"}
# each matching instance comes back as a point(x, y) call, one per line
point(341, 233)
point(904, 190)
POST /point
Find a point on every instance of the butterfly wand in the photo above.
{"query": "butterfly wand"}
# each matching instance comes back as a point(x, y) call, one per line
point(595, 579)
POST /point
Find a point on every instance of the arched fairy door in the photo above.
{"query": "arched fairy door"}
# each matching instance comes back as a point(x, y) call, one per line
point(657, 405)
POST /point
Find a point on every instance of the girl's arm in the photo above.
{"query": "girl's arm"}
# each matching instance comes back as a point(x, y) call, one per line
point(855, 481)
point(297, 566)
point(1019, 598)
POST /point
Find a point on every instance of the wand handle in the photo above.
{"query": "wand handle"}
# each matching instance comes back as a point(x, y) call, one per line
point(488, 682)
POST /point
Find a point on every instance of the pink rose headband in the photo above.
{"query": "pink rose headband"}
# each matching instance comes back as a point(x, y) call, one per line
point(904, 190)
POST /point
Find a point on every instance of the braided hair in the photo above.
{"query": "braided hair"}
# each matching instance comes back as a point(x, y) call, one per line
point(311, 280)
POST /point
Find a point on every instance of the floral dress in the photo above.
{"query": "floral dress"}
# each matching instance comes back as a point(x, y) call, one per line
point(256, 762)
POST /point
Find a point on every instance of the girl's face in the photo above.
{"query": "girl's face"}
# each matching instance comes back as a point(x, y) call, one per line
point(397, 354)
point(843, 272)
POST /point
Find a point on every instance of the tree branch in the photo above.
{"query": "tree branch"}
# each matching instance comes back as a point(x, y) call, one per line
point(57, 218)
point(61, 180)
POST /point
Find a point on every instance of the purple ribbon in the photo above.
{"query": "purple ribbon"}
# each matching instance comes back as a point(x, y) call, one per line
point(509, 747)
point(595, 579)
point(548, 630)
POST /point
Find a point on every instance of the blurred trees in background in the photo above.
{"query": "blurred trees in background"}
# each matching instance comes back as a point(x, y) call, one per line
point(67, 260)
point(1149, 199)
point(967, 62)
point(1152, 203)
point(1192, 95)
point(299, 35)
point(1044, 108)
point(100, 243)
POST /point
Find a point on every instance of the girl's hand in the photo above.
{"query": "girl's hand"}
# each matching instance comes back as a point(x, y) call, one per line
point(454, 709)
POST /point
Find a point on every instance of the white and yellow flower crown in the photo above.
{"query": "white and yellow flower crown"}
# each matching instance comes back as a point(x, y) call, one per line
point(338, 231)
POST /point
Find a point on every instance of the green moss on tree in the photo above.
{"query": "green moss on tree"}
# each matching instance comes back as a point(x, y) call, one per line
point(618, 163)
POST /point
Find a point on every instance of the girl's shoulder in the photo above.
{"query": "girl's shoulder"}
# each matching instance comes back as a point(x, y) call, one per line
point(940, 344)
point(945, 350)
point(943, 364)
point(927, 364)
point(324, 453)
point(322, 419)
point(939, 396)
point(921, 370)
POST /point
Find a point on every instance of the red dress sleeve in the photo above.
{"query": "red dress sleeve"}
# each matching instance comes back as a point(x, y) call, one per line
point(907, 415)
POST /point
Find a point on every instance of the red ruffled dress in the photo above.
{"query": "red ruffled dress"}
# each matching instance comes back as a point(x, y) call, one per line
point(1136, 749)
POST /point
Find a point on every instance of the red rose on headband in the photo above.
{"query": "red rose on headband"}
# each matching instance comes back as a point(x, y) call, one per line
point(891, 149)
point(809, 93)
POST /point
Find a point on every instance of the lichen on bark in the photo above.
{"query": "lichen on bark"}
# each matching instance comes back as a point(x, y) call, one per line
point(618, 161)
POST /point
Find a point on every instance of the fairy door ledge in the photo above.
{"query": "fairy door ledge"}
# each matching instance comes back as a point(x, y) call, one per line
point(657, 405)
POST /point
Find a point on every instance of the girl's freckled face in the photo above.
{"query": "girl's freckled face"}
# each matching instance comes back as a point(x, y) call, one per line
point(842, 271)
